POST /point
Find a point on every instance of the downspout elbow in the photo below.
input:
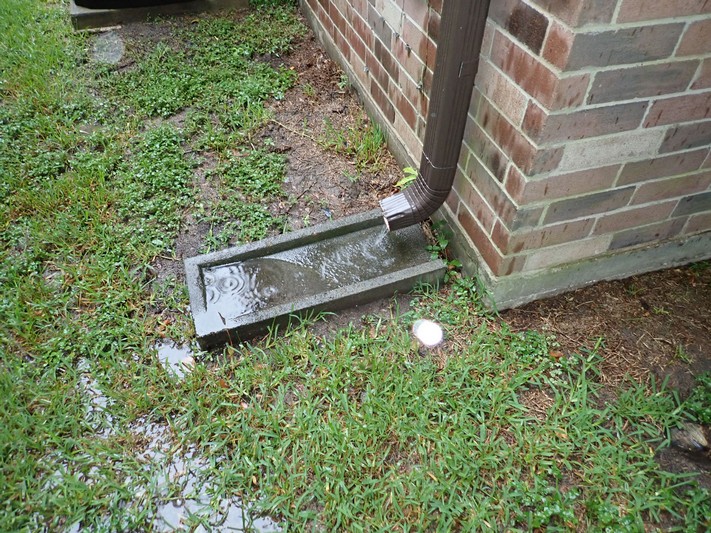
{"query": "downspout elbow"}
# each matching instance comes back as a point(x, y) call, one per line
point(421, 199)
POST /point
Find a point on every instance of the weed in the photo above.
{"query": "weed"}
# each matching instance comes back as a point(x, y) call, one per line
point(438, 248)
point(309, 90)
point(410, 176)
point(681, 354)
point(343, 82)
point(699, 402)
point(364, 141)
point(257, 175)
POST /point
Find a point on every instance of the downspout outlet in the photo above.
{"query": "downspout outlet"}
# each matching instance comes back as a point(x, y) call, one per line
point(421, 199)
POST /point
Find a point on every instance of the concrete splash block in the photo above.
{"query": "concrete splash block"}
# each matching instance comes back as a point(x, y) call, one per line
point(240, 292)
point(85, 18)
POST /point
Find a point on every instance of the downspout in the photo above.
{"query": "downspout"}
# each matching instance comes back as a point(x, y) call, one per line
point(461, 35)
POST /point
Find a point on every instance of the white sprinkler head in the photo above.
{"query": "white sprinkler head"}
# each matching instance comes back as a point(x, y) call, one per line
point(427, 332)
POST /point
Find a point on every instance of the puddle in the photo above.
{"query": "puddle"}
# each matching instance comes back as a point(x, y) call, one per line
point(194, 497)
point(175, 358)
point(183, 484)
point(243, 287)
point(108, 48)
point(97, 402)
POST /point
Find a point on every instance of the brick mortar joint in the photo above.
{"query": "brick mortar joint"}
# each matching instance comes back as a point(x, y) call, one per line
point(563, 74)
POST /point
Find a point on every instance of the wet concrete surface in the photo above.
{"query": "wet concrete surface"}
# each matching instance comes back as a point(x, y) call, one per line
point(240, 292)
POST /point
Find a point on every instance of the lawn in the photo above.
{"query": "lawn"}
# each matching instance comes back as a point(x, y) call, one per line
point(355, 428)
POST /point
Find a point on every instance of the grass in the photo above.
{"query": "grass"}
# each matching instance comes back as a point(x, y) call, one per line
point(354, 430)
point(364, 141)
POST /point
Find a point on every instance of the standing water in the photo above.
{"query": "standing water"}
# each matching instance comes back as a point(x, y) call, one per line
point(235, 289)
point(176, 358)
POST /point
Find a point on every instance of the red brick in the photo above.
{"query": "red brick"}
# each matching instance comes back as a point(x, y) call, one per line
point(558, 186)
point(404, 107)
point(534, 120)
point(686, 137)
point(416, 97)
point(475, 202)
point(382, 101)
point(512, 216)
point(590, 123)
point(660, 167)
point(500, 10)
point(558, 45)
point(523, 217)
point(337, 18)
point(507, 137)
point(418, 11)
point(673, 187)
point(387, 60)
point(361, 6)
point(408, 137)
point(632, 218)
point(494, 159)
point(488, 39)
point(535, 78)
point(580, 12)
point(356, 43)
point(545, 160)
point(433, 25)
point(381, 28)
point(638, 10)
point(654, 233)
point(588, 205)
point(360, 26)
point(453, 202)
point(342, 43)
point(696, 39)
point(479, 143)
point(698, 223)
point(436, 5)
point(416, 39)
point(703, 77)
point(532, 76)
point(523, 22)
point(687, 108)
point(376, 70)
point(694, 203)
point(628, 45)
point(570, 92)
point(408, 60)
point(636, 82)
point(497, 263)
point(542, 237)
point(500, 90)
point(326, 22)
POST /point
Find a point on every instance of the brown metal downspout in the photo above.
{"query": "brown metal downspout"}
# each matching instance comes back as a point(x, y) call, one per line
point(462, 32)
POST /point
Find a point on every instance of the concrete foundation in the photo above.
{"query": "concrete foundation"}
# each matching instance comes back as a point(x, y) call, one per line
point(512, 291)
point(84, 18)
point(240, 292)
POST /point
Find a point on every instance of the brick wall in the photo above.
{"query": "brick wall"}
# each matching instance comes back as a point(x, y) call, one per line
point(588, 136)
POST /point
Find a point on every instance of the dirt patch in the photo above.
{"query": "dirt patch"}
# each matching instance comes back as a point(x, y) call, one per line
point(322, 182)
point(656, 325)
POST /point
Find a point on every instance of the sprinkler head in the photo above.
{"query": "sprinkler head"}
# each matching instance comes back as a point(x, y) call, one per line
point(427, 332)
